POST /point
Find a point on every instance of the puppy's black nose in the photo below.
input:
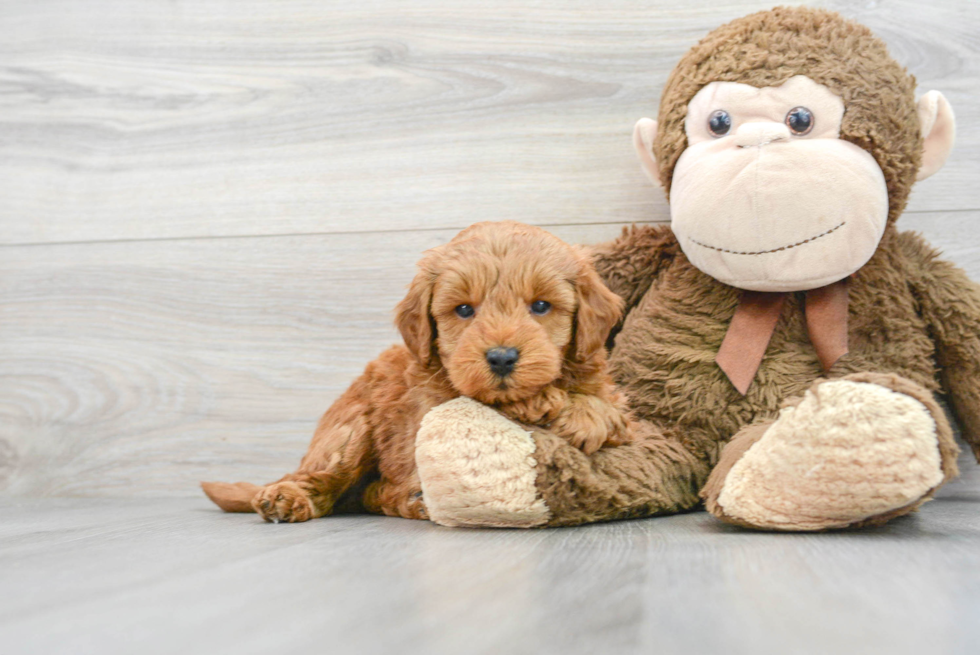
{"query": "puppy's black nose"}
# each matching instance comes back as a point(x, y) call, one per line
point(502, 360)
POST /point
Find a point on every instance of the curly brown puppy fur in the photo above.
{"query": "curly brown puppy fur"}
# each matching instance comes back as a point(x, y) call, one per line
point(506, 314)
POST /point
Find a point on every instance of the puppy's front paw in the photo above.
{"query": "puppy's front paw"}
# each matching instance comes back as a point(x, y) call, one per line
point(283, 502)
point(589, 423)
point(540, 409)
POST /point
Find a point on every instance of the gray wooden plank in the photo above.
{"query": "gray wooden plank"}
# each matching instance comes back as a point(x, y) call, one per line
point(160, 576)
point(157, 119)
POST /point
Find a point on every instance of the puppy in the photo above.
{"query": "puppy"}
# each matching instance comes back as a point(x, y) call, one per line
point(505, 313)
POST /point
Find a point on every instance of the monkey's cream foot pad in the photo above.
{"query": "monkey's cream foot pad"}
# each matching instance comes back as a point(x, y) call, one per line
point(847, 452)
point(477, 468)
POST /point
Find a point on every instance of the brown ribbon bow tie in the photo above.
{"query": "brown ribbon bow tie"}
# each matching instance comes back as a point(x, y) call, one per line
point(755, 320)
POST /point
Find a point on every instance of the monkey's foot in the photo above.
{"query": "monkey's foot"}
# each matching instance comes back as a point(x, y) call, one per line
point(477, 468)
point(854, 451)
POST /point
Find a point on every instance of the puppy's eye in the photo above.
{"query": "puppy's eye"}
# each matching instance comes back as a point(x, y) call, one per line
point(799, 120)
point(465, 311)
point(540, 307)
point(719, 122)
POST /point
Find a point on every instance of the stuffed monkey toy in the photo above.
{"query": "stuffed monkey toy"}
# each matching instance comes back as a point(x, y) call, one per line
point(782, 340)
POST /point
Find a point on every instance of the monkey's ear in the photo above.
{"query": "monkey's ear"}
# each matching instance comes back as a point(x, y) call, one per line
point(938, 126)
point(643, 135)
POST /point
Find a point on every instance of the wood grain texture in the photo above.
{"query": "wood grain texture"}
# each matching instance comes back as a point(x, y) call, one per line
point(107, 576)
point(123, 120)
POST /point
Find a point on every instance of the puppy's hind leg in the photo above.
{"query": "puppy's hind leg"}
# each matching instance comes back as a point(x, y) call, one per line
point(341, 454)
point(402, 499)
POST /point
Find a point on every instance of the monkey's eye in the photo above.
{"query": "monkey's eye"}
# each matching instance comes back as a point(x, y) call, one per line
point(719, 122)
point(799, 120)
point(540, 307)
point(464, 311)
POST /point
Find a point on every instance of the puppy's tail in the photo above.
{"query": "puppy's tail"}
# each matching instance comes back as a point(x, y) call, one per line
point(231, 497)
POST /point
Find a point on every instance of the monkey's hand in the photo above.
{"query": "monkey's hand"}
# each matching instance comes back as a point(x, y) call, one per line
point(950, 303)
point(590, 422)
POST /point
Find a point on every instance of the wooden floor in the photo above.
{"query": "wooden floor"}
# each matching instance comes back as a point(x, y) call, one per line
point(208, 210)
point(107, 576)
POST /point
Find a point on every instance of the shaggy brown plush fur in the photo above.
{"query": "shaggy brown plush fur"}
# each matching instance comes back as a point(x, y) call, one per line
point(498, 270)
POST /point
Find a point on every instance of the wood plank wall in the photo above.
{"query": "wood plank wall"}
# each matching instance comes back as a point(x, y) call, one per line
point(208, 209)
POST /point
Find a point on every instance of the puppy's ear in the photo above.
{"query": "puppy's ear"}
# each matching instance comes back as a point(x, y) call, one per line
point(599, 309)
point(413, 318)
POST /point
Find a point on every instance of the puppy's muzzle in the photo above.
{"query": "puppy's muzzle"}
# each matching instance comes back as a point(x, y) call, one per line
point(502, 360)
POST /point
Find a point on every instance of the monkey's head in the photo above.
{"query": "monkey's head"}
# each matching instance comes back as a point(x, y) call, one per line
point(787, 141)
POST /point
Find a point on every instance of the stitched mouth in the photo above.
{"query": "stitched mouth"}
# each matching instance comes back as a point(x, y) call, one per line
point(765, 252)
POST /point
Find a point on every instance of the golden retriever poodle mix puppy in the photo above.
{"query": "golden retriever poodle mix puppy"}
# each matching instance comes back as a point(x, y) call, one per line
point(506, 314)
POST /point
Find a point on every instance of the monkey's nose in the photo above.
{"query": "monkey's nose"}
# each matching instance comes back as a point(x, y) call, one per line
point(502, 360)
point(751, 135)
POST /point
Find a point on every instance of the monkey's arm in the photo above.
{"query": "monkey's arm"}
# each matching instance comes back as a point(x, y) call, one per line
point(950, 303)
point(628, 265)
